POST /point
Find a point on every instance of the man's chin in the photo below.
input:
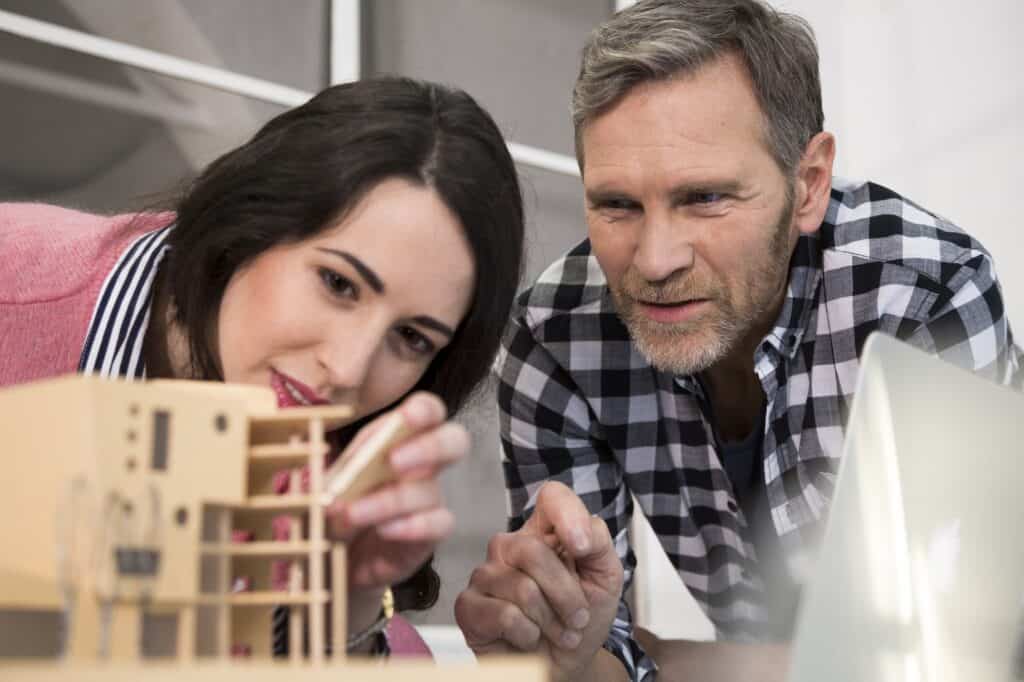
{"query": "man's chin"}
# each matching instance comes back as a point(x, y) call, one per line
point(679, 352)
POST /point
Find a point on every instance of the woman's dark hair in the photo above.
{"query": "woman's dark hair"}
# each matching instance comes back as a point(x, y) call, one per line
point(306, 168)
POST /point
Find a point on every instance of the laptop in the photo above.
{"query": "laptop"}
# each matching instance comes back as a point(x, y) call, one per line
point(921, 572)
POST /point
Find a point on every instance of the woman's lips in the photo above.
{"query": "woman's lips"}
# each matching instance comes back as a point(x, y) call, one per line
point(291, 392)
point(673, 312)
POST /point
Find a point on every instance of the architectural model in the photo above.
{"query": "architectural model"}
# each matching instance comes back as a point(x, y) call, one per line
point(130, 500)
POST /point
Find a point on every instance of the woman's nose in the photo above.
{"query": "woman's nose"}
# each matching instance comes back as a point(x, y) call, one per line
point(348, 358)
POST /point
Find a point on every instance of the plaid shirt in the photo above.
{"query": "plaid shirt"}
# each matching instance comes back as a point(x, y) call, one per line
point(580, 405)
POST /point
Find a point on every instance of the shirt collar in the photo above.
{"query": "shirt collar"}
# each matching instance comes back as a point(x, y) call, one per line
point(801, 296)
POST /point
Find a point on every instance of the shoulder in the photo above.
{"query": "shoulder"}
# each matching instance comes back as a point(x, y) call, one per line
point(565, 329)
point(870, 223)
point(572, 285)
point(48, 252)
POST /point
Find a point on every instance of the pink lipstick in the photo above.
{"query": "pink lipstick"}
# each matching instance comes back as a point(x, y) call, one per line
point(291, 392)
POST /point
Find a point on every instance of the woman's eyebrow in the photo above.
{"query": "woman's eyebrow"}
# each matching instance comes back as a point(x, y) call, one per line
point(375, 283)
point(368, 275)
point(431, 323)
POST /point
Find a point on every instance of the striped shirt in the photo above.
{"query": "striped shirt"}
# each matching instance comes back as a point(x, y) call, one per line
point(113, 344)
point(580, 405)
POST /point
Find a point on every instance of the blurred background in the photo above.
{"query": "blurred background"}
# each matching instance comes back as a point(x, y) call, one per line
point(923, 95)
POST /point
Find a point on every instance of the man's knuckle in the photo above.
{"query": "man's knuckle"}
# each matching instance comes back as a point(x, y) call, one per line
point(508, 618)
point(497, 544)
point(480, 576)
point(528, 595)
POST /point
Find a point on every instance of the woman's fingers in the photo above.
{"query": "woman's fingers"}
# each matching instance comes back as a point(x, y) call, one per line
point(431, 451)
point(390, 503)
point(432, 443)
point(429, 526)
point(394, 501)
point(419, 411)
point(422, 410)
point(409, 508)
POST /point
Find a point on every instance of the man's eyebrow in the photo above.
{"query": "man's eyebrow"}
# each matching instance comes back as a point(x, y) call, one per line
point(686, 189)
point(601, 194)
point(598, 195)
point(431, 323)
point(368, 275)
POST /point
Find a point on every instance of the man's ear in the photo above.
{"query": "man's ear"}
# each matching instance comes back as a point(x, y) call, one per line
point(813, 183)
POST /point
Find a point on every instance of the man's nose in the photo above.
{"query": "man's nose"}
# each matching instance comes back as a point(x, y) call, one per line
point(665, 247)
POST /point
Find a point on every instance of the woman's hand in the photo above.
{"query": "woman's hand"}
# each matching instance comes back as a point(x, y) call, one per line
point(391, 531)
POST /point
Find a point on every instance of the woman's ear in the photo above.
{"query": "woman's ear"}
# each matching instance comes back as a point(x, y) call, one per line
point(814, 183)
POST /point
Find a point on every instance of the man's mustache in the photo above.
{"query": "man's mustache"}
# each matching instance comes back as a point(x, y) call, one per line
point(684, 289)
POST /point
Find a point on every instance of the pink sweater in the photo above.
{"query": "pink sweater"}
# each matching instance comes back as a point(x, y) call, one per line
point(53, 262)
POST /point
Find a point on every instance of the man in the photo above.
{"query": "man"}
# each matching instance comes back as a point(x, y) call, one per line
point(700, 349)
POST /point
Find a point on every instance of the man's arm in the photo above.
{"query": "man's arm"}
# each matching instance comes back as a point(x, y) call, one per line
point(605, 667)
point(716, 661)
point(966, 321)
point(545, 430)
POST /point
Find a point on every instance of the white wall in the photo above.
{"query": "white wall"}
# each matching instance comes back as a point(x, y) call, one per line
point(926, 97)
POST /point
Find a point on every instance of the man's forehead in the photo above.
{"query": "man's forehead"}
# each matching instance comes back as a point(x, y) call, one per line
point(712, 111)
point(667, 162)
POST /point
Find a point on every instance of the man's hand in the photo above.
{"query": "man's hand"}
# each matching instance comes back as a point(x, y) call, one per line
point(552, 587)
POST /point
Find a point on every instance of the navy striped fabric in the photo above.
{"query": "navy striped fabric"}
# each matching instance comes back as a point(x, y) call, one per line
point(113, 345)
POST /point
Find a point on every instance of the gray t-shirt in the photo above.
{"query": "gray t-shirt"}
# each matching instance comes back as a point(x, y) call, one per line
point(744, 465)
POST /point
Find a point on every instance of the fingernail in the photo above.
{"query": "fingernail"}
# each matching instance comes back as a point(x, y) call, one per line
point(396, 527)
point(454, 440)
point(571, 639)
point(580, 619)
point(579, 540)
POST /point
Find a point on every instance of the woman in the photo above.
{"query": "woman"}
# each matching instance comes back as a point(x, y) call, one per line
point(363, 248)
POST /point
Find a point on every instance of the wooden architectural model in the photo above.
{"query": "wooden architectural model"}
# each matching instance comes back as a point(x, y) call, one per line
point(133, 499)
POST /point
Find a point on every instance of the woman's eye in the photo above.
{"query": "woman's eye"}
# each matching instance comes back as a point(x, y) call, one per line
point(337, 284)
point(416, 341)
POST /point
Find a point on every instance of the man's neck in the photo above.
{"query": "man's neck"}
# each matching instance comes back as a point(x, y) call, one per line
point(735, 391)
point(736, 394)
point(736, 399)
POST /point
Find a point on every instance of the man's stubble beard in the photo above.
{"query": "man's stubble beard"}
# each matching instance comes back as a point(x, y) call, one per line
point(693, 346)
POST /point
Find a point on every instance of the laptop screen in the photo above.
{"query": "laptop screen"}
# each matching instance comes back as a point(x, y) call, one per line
point(920, 575)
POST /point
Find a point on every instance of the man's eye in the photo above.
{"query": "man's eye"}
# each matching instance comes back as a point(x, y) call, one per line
point(615, 205)
point(338, 284)
point(706, 197)
point(618, 204)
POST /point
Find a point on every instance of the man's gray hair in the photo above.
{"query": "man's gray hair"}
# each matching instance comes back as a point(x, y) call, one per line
point(656, 40)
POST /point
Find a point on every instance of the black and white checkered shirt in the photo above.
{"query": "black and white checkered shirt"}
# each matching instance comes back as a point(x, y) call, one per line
point(580, 405)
